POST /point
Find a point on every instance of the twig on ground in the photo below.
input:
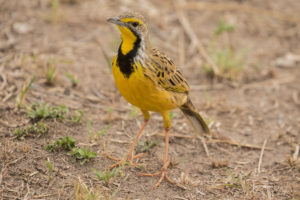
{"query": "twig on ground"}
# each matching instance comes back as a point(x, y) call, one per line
point(250, 146)
point(296, 153)
point(3, 172)
point(119, 141)
point(6, 124)
point(42, 196)
point(15, 161)
point(28, 192)
point(7, 97)
point(193, 37)
point(205, 147)
point(89, 145)
point(228, 141)
point(261, 155)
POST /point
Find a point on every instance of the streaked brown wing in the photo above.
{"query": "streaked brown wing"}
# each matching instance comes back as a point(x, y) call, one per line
point(163, 71)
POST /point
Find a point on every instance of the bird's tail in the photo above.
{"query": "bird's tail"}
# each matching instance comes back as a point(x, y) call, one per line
point(194, 117)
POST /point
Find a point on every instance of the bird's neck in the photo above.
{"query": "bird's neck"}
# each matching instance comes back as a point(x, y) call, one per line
point(127, 52)
point(129, 40)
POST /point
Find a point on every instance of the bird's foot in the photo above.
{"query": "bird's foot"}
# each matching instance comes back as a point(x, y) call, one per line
point(162, 173)
point(122, 162)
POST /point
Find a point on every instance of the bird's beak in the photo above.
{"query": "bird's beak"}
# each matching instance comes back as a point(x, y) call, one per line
point(116, 20)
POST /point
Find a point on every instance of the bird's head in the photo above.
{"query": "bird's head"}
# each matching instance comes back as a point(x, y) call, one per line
point(130, 23)
point(132, 26)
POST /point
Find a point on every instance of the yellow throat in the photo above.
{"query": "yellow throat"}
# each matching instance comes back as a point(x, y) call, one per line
point(128, 39)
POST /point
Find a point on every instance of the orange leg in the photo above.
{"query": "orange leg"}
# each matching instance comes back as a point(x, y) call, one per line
point(129, 154)
point(129, 157)
point(163, 172)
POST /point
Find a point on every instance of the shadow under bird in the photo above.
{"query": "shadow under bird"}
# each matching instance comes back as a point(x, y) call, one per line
point(149, 80)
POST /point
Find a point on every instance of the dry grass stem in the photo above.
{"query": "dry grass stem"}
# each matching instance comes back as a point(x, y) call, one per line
point(193, 37)
point(3, 172)
point(43, 196)
point(228, 141)
point(205, 147)
point(296, 153)
point(250, 146)
point(120, 141)
point(6, 124)
point(261, 156)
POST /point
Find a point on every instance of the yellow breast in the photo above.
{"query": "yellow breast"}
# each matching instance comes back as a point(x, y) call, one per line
point(141, 91)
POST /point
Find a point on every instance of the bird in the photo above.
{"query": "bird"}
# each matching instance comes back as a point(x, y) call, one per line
point(149, 80)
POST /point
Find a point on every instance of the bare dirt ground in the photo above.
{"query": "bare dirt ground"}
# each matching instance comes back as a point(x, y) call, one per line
point(255, 117)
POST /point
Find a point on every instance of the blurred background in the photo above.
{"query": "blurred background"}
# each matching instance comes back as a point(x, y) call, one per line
point(240, 57)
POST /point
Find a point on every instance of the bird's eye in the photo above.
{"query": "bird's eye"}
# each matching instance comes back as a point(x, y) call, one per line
point(135, 24)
